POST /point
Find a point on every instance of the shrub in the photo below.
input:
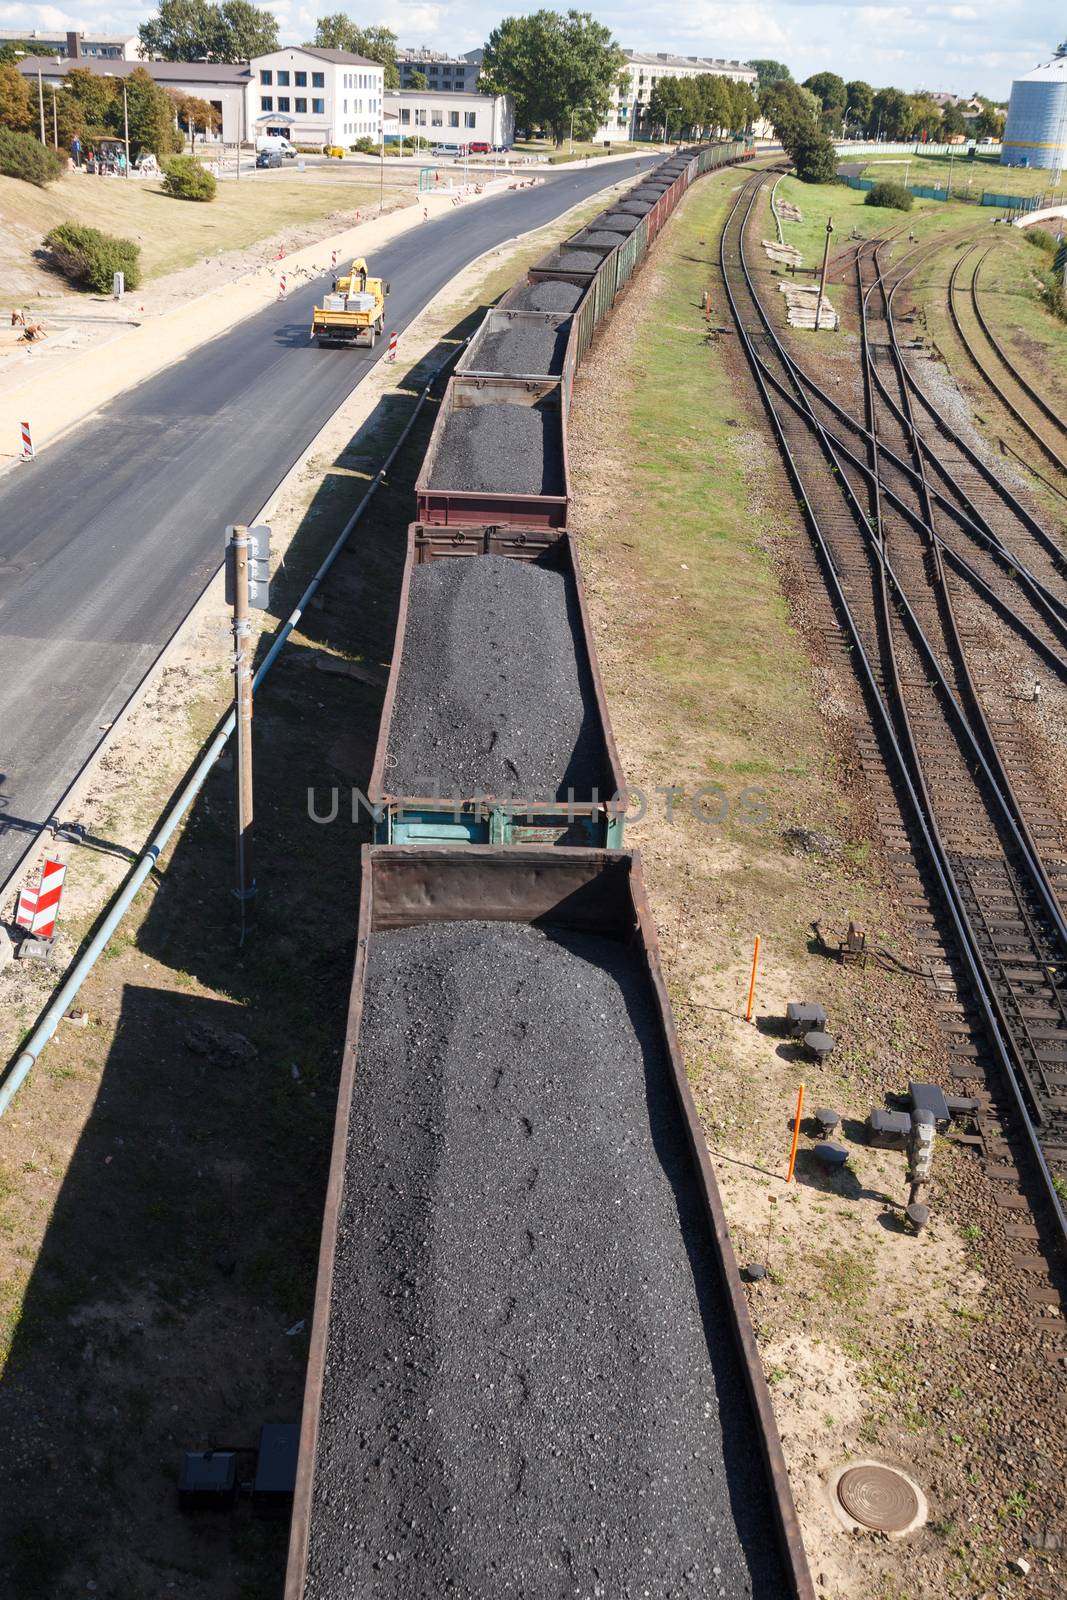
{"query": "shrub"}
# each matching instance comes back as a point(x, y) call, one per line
point(814, 157)
point(893, 195)
point(90, 258)
point(365, 146)
point(1041, 239)
point(23, 156)
point(186, 179)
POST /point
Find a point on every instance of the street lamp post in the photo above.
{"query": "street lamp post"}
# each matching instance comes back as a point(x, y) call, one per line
point(126, 127)
point(40, 104)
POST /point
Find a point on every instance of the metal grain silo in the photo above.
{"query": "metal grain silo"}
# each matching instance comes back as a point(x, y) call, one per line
point(1036, 133)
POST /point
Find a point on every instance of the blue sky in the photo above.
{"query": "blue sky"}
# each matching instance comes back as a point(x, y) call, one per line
point(957, 45)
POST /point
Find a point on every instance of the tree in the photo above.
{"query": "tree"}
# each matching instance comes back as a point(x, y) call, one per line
point(790, 110)
point(186, 179)
point(859, 98)
point(892, 114)
point(926, 115)
point(16, 106)
point(666, 106)
point(553, 64)
point(832, 95)
point(989, 123)
point(953, 122)
point(814, 157)
point(417, 80)
point(198, 30)
point(769, 73)
point(12, 52)
point(339, 32)
point(151, 115)
point(194, 113)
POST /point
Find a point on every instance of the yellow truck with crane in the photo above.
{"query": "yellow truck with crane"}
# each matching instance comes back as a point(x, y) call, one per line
point(354, 312)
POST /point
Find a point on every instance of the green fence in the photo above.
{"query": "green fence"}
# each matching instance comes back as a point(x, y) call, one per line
point(937, 191)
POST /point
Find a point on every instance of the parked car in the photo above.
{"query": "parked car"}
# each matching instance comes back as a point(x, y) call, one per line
point(444, 150)
point(269, 158)
point(481, 147)
point(275, 141)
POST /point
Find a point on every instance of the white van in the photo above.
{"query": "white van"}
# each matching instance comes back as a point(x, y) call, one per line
point(275, 141)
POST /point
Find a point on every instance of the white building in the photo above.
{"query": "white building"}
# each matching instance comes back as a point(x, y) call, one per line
point(91, 46)
point(640, 73)
point(316, 97)
point(445, 117)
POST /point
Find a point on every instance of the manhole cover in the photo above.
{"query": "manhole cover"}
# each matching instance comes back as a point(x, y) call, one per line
point(878, 1498)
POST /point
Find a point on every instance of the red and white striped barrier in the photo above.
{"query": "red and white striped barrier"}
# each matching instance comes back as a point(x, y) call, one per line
point(38, 909)
point(333, 258)
point(425, 214)
point(391, 356)
point(28, 452)
point(282, 287)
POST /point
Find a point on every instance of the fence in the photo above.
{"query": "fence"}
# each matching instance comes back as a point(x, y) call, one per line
point(911, 147)
point(937, 191)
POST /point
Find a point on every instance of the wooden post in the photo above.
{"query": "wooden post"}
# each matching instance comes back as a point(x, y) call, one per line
point(796, 1134)
point(752, 981)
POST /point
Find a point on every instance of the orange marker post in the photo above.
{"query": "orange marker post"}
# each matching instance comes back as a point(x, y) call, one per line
point(752, 981)
point(796, 1134)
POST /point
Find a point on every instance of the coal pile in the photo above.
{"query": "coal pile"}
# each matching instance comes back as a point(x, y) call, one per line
point(619, 221)
point(521, 347)
point(531, 1388)
point(492, 695)
point(577, 261)
point(602, 238)
point(501, 449)
point(548, 296)
point(648, 194)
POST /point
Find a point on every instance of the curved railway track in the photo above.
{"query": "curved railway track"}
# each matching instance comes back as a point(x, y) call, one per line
point(963, 819)
point(1029, 409)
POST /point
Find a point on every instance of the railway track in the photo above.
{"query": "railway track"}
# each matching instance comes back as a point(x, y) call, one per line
point(963, 830)
point(1027, 406)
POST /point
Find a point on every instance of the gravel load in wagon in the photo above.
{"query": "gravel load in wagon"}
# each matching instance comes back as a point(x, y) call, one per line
point(529, 1388)
point(577, 261)
point(549, 296)
point(521, 348)
point(494, 696)
point(500, 448)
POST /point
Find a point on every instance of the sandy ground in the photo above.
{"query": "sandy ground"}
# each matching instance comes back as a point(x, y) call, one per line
point(81, 367)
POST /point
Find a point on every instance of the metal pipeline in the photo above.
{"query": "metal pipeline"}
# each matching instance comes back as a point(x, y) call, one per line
point(49, 1022)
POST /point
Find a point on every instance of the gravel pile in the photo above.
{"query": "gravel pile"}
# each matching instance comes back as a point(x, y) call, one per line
point(521, 347)
point(519, 1398)
point(577, 261)
point(491, 696)
point(501, 448)
point(550, 296)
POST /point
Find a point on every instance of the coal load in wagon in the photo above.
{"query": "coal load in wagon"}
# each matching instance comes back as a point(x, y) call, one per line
point(549, 296)
point(521, 348)
point(577, 261)
point(530, 1383)
point(598, 237)
point(620, 222)
point(495, 695)
point(498, 448)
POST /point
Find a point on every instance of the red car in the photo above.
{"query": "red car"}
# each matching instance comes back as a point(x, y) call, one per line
point(480, 148)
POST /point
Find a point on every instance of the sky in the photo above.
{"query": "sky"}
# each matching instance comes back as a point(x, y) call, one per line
point(956, 45)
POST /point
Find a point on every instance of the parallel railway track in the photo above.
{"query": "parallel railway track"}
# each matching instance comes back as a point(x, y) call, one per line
point(963, 826)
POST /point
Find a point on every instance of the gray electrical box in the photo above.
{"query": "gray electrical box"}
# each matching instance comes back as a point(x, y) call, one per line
point(258, 567)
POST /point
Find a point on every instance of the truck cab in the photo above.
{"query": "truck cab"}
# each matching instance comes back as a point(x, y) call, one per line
point(354, 311)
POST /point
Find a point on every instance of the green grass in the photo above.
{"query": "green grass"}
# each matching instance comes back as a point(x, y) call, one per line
point(547, 151)
point(848, 209)
point(983, 173)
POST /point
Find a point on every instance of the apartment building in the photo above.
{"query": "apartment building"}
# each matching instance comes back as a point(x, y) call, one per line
point(628, 118)
point(449, 74)
point(60, 43)
point(314, 96)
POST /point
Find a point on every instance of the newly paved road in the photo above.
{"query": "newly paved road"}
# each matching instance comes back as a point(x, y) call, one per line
point(109, 537)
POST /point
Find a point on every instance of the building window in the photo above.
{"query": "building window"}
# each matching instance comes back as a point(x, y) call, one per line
point(453, 119)
point(318, 80)
point(266, 78)
point(405, 117)
point(420, 118)
point(300, 80)
point(266, 102)
point(437, 119)
point(283, 102)
point(283, 80)
point(318, 107)
point(470, 119)
point(301, 104)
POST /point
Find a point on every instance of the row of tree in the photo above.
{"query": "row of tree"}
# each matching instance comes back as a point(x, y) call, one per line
point(857, 109)
point(701, 106)
point(92, 108)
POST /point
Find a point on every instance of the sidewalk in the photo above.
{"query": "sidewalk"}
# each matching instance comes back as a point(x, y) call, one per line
point(55, 397)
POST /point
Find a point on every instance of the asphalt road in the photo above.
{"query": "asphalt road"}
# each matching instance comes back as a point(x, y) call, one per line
point(109, 537)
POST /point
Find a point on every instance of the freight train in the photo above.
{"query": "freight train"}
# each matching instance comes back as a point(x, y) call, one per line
point(532, 1370)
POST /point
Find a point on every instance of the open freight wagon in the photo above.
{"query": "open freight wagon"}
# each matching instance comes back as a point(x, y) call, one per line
point(532, 1368)
point(494, 668)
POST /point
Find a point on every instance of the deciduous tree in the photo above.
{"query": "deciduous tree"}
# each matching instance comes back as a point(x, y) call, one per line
point(769, 73)
point(892, 114)
point(339, 32)
point(832, 95)
point(554, 64)
point(16, 107)
point(199, 30)
point(859, 98)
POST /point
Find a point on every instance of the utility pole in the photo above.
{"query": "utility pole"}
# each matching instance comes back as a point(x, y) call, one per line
point(240, 547)
point(126, 126)
point(40, 104)
point(381, 183)
point(55, 121)
point(822, 280)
